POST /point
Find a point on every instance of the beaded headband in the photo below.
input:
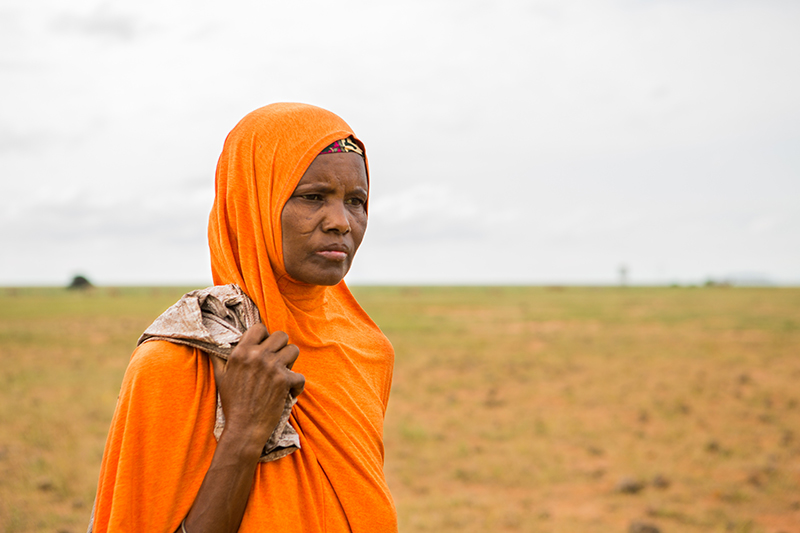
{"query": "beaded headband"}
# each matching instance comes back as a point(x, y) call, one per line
point(342, 146)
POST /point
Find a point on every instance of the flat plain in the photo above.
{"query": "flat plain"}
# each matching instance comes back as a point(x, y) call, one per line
point(531, 409)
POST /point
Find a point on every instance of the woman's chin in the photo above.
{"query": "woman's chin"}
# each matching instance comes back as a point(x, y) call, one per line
point(326, 277)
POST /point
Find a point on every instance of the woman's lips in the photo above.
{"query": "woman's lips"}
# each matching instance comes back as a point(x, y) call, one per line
point(333, 255)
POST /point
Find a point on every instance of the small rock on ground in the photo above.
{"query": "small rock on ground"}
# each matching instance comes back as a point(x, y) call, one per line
point(660, 482)
point(45, 484)
point(642, 527)
point(628, 485)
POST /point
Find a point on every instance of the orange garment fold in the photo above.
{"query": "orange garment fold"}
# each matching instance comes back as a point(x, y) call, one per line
point(161, 439)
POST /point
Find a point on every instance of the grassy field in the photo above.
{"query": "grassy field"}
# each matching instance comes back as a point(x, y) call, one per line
point(569, 410)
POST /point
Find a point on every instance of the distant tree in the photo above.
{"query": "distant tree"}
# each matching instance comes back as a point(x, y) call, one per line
point(80, 283)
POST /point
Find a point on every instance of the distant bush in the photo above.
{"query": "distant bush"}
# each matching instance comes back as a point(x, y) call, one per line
point(80, 283)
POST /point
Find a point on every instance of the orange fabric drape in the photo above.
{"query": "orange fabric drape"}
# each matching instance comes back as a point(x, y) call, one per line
point(161, 439)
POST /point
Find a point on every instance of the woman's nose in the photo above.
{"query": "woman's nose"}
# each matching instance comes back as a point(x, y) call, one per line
point(336, 218)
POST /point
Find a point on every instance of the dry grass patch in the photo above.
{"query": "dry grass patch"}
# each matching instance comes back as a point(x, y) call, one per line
point(575, 410)
point(523, 409)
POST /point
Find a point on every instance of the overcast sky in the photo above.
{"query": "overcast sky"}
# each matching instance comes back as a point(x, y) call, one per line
point(509, 141)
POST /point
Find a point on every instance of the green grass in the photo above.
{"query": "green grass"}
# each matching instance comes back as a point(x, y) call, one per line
point(513, 408)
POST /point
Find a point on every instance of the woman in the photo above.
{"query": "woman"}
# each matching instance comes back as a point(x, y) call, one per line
point(289, 214)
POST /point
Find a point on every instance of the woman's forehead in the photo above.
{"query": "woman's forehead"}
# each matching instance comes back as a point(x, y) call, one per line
point(347, 169)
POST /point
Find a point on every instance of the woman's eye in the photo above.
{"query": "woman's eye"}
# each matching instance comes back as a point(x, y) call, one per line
point(356, 201)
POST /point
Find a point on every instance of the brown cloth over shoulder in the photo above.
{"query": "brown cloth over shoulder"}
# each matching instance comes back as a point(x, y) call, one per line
point(214, 320)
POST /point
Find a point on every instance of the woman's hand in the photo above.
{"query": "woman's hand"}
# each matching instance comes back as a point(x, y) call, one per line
point(253, 385)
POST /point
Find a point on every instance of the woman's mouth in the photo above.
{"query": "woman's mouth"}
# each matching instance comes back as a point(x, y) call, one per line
point(333, 255)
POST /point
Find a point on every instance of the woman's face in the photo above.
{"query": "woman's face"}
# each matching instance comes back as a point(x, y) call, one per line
point(324, 221)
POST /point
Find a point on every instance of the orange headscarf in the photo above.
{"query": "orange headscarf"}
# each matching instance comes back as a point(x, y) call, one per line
point(335, 482)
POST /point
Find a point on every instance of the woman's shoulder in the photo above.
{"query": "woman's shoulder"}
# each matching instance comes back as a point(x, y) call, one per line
point(165, 373)
point(158, 359)
point(159, 353)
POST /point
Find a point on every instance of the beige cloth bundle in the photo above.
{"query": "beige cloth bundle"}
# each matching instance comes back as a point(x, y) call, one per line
point(214, 320)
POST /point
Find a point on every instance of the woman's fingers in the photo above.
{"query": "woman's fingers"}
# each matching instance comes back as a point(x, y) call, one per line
point(287, 355)
point(297, 383)
point(266, 359)
point(286, 358)
point(254, 335)
point(256, 380)
point(275, 345)
point(276, 341)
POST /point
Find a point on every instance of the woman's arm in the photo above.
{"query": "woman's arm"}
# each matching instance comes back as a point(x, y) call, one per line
point(252, 385)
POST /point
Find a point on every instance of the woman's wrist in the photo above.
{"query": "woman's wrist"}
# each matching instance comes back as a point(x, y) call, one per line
point(222, 498)
point(239, 445)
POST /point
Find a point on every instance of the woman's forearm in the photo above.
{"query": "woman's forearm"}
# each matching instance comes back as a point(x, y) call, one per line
point(222, 498)
point(252, 386)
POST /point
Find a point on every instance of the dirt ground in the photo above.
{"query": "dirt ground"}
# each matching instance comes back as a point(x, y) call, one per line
point(540, 409)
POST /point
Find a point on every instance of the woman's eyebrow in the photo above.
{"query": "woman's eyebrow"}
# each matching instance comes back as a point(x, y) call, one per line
point(326, 188)
point(317, 187)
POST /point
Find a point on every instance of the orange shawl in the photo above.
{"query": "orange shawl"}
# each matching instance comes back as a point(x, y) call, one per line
point(161, 439)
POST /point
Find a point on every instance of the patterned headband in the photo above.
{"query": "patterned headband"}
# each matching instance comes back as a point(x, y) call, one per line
point(343, 145)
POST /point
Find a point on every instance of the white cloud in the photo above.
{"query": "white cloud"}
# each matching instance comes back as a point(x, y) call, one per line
point(436, 212)
point(762, 224)
point(549, 139)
